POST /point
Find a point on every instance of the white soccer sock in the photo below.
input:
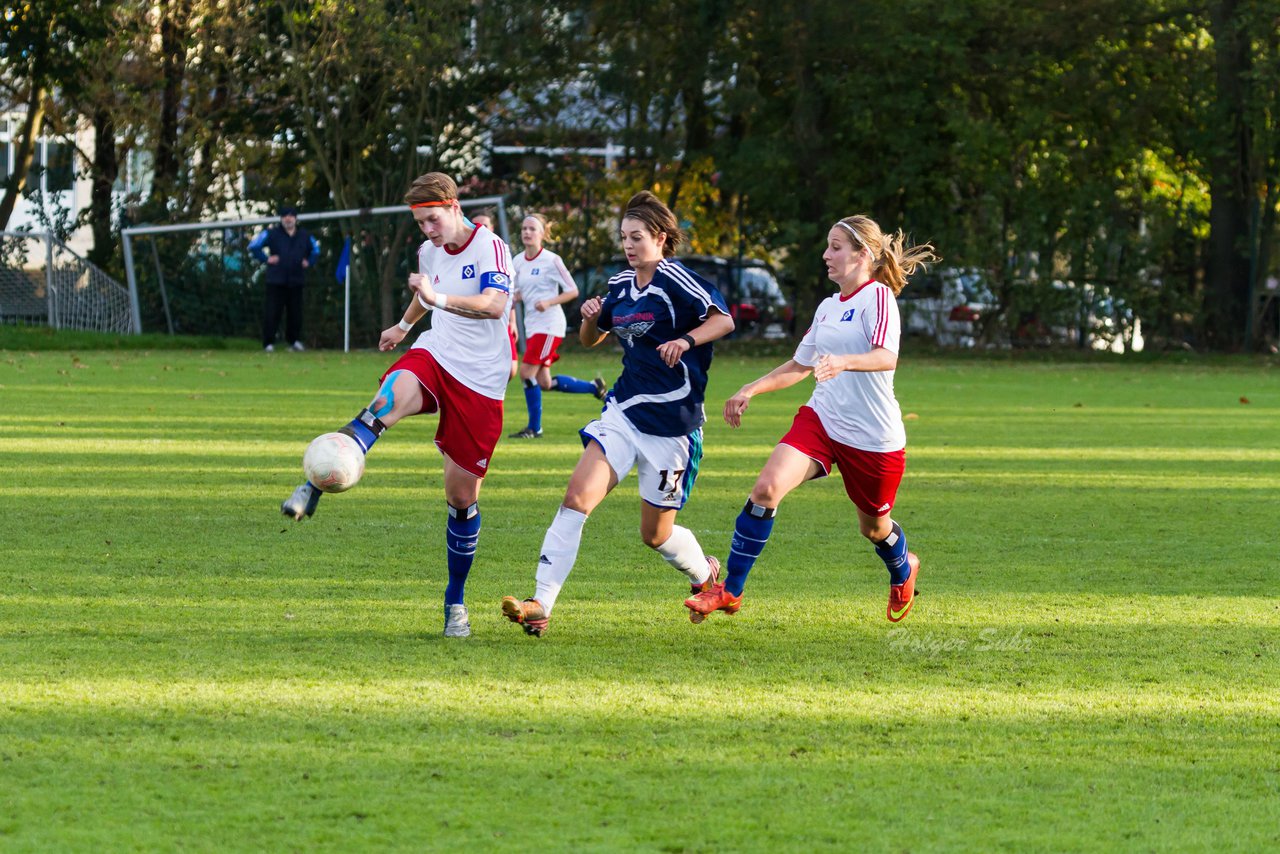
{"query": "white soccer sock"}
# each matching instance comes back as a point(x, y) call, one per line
point(559, 552)
point(682, 551)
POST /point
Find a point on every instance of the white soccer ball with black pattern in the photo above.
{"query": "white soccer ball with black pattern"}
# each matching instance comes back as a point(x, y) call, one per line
point(333, 462)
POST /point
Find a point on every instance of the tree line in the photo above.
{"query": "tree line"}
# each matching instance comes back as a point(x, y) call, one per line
point(1129, 144)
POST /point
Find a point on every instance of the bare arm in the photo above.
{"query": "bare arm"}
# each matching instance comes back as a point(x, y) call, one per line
point(393, 335)
point(717, 325)
point(569, 294)
point(878, 359)
point(784, 376)
point(489, 304)
point(589, 332)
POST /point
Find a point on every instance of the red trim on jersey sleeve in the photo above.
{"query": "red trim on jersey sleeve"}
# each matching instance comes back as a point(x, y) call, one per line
point(497, 255)
point(882, 320)
point(463, 247)
point(565, 275)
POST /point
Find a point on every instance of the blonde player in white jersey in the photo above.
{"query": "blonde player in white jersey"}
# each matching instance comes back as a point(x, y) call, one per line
point(852, 419)
point(458, 368)
point(543, 285)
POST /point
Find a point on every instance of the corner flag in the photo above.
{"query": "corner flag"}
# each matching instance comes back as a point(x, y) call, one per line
point(344, 260)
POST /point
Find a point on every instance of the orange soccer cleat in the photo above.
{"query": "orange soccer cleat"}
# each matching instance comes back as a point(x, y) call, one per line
point(903, 596)
point(529, 614)
point(710, 601)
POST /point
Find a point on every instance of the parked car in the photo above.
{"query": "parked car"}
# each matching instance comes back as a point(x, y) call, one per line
point(757, 298)
point(750, 289)
point(1073, 314)
point(948, 305)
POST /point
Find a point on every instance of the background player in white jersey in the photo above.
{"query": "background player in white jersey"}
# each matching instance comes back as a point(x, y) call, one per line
point(458, 368)
point(486, 219)
point(852, 419)
point(543, 285)
point(666, 318)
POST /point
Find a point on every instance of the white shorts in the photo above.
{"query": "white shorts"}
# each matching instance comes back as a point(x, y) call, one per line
point(666, 465)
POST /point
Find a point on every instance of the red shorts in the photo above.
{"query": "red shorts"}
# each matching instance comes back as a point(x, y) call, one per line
point(511, 332)
point(541, 349)
point(871, 479)
point(470, 423)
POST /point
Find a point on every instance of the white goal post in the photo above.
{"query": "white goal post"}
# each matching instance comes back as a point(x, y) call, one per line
point(198, 278)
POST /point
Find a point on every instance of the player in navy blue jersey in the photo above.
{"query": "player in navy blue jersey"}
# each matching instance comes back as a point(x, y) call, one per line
point(666, 317)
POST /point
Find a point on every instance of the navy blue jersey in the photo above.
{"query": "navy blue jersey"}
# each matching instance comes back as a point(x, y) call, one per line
point(659, 400)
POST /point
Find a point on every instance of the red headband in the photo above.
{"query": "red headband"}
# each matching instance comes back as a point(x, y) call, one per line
point(444, 204)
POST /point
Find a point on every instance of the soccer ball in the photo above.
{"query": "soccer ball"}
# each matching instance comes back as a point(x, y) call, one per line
point(333, 462)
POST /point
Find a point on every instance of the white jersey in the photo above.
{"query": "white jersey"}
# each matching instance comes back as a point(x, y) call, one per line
point(857, 408)
point(542, 277)
point(475, 352)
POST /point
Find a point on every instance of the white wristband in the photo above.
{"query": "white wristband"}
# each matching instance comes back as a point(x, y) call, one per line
point(441, 300)
point(428, 306)
point(404, 325)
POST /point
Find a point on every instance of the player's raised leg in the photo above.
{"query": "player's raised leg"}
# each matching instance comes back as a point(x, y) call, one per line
point(592, 479)
point(399, 395)
point(786, 469)
point(573, 385)
point(532, 395)
point(678, 547)
point(904, 567)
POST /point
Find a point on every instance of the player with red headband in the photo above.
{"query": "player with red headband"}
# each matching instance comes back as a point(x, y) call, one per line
point(458, 368)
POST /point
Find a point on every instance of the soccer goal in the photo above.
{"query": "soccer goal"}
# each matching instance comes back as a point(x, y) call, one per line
point(45, 283)
point(200, 279)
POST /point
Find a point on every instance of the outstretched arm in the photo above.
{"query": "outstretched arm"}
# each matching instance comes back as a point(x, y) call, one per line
point(393, 335)
point(784, 376)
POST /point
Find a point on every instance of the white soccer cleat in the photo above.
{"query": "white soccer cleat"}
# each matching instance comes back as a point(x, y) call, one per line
point(302, 503)
point(456, 624)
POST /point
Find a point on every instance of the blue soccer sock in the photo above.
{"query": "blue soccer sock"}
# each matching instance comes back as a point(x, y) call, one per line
point(533, 401)
point(572, 385)
point(750, 533)
point(462, 533)
point(893, 551)
point(365, 428)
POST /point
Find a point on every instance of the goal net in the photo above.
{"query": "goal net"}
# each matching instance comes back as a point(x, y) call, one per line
point(44, 283)
point(200, 278)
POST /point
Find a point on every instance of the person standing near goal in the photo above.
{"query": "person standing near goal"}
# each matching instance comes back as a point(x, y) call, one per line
point(543, 285)
point(458, 368)
point(852, 419)
point(666, 317)
point(288, 251)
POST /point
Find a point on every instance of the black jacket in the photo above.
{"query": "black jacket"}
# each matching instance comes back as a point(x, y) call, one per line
point(292, 251)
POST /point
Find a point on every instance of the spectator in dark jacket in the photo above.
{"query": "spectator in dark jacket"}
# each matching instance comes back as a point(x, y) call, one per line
point(288, 251)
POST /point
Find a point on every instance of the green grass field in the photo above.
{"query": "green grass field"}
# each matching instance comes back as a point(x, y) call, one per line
point(1093, 663)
